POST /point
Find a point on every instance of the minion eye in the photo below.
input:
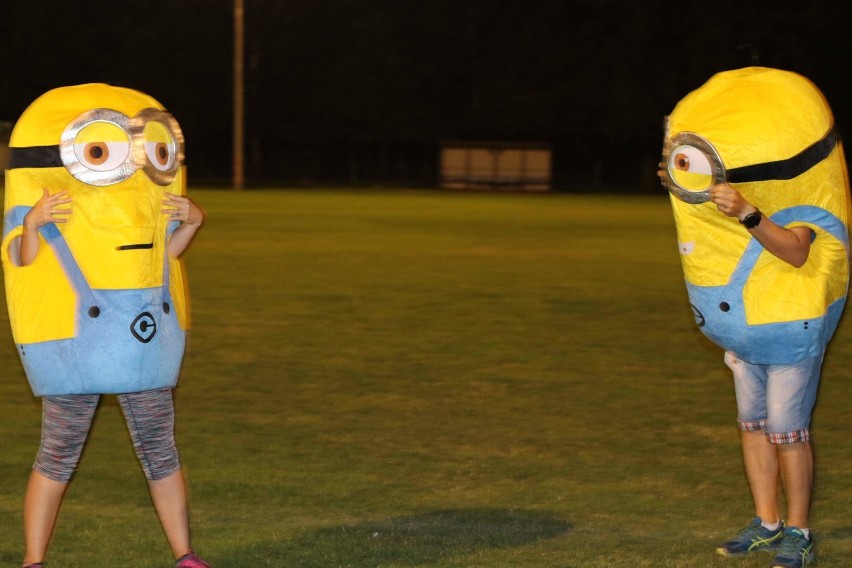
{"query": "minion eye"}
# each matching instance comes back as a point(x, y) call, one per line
point(690, 168)
point(160, 146)
point(102, 156)
point(102, 146)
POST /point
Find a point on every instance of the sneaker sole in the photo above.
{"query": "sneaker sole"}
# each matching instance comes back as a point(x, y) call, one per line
point(725, 553)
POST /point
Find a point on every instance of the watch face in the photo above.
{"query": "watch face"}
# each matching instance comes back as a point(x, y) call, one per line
point(752, 220)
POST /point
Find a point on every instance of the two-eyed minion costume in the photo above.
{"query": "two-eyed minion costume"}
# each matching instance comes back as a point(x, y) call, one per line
point(102, 308)
point(769, 133)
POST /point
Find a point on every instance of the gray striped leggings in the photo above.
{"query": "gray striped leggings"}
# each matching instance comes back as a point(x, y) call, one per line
point(66, 420)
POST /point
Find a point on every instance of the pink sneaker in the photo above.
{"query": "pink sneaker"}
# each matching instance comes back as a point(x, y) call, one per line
point(191, 561)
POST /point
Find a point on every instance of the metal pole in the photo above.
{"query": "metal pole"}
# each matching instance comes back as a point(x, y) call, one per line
point(239, 110)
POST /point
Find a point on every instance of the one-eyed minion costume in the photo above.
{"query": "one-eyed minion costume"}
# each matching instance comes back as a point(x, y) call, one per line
point(769, 133)
point(103, 308)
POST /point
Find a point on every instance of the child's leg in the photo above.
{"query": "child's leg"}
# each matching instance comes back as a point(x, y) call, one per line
point(169, 497)
point(65, 425)
point(150, 419)
point(41, 507)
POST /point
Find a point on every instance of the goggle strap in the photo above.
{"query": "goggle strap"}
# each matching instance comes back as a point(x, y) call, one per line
point(34, 157)
point(788, 168)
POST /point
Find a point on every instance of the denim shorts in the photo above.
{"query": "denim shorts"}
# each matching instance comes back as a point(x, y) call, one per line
point(777, 399)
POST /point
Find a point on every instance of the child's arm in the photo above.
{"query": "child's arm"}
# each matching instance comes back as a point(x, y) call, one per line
point(43, 212)
point(790, 245)
point(191, 217)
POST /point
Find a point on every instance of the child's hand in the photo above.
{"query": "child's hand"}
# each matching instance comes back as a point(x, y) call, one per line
point(730, 202)
point(182, 209)
point(46, 210)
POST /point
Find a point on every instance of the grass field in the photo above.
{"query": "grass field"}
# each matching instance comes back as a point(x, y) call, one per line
point(383, 378)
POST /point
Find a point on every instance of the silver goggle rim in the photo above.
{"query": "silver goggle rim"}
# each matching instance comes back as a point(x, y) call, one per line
point(136, 159)
point(706, 148)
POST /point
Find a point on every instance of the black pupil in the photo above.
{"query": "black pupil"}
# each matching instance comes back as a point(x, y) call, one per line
point(96, 152)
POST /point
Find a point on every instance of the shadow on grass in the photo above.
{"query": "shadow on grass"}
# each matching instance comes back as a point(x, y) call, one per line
point(407, 541)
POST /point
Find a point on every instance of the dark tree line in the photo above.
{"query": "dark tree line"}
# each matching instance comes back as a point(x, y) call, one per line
point(346, 91)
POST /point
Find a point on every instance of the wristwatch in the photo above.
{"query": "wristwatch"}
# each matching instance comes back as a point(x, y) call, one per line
point(752, 220)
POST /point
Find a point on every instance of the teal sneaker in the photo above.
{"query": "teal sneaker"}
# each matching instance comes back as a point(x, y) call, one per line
point(796, 550)
point(753, 538)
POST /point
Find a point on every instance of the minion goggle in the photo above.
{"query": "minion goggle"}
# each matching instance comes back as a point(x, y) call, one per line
point(103, 147)
point(692, 166)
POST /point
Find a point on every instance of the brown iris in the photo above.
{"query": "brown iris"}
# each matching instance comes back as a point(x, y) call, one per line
point(97, 152)
point(161, 151)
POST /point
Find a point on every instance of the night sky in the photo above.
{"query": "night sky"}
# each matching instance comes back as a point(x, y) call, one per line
point(345, 91)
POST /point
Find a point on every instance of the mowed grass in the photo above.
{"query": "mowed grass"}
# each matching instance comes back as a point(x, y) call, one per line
point(396, 378)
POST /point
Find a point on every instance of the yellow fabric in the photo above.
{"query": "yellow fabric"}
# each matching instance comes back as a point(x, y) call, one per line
point(40, 299)
point(103, 219)
point(752, 116)
point(46, 118)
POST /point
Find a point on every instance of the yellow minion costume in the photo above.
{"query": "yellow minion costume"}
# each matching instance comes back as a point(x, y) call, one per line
point(103, 308)
point(769, 133)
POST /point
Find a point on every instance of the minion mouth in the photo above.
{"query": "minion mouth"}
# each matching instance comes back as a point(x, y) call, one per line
point(136, 246)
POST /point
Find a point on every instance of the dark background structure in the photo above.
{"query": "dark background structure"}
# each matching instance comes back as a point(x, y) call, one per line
point(362, 92)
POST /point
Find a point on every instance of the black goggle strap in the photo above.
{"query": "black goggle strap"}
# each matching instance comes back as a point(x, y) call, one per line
point(35, 157)
point(789, 168)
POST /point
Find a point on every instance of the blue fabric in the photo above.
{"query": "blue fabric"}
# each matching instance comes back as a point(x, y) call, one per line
point(126, 340)
point(720, 310)
point(14, 218)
